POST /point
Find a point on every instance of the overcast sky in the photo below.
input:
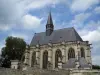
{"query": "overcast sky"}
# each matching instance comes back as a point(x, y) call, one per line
point(23, 18)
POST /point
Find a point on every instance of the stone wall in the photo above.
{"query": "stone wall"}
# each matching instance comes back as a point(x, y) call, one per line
point(85, 72)
point(5, 71)
point(31, 71)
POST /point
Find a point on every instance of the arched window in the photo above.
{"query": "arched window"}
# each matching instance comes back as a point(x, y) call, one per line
point(33, 58)
point(58, 57)
point(71, 53)
point(45, 59)
point(82, 52)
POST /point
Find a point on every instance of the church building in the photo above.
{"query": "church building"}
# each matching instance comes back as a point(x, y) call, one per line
point(61, 49)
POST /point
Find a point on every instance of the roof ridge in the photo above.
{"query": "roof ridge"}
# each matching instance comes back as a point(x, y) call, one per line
point(65, 28)
point(58, 29)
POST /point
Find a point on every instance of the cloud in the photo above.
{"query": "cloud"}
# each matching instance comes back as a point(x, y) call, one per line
point(20, 35)
point(42, 3)
point(10, 12)
point(4, 27)
point(92, 36)
point(79, 19)
point(26, 35)
point(82, 5)
point(31, 22)
point(88, 34)
point(92, 25)
point(96, 59)
point(97, 10)
point(89, 28)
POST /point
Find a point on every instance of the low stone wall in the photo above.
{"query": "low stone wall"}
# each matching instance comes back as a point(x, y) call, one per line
point(85, 72)
point(6, 71)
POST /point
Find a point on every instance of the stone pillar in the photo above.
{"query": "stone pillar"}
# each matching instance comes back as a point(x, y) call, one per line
point(53, 58)
point(49, 59)
point(89, 60)
point(63, 55)
point(77, 51)
point(37, 64)
point(49, 55)
point(67, 48)
point(37, 57)
point(77, 55)
point(77, 60)
point(26, 57)
point(87, 55)
point(26, 61)
point(41, 58)
point(30, 58)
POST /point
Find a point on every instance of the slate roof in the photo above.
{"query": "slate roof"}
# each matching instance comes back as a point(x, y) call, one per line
point(65, 34)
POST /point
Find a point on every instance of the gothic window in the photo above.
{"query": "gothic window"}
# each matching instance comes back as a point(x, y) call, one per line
point(82, 52)
point(71, 53)
point(45, 59)
point(58, 57)
point(33, 58)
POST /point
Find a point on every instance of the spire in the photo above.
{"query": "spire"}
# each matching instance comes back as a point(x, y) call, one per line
point(49, 25)
point(49, 21)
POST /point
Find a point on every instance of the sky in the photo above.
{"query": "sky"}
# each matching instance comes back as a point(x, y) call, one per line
point(24, 18)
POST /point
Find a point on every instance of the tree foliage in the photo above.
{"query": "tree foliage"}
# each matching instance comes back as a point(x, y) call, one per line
point(14, 48)
point(5, 62)
point(95, 66)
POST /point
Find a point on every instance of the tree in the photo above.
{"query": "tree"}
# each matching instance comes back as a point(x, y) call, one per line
point(95, 66)
point(14, 48)
point(5, 62)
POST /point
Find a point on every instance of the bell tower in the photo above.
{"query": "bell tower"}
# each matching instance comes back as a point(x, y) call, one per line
point(49, 25)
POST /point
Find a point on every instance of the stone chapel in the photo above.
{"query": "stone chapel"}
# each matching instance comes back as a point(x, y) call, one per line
point(62, 49)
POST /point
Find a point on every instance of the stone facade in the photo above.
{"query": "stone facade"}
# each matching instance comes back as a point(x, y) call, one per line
point(49, 60)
